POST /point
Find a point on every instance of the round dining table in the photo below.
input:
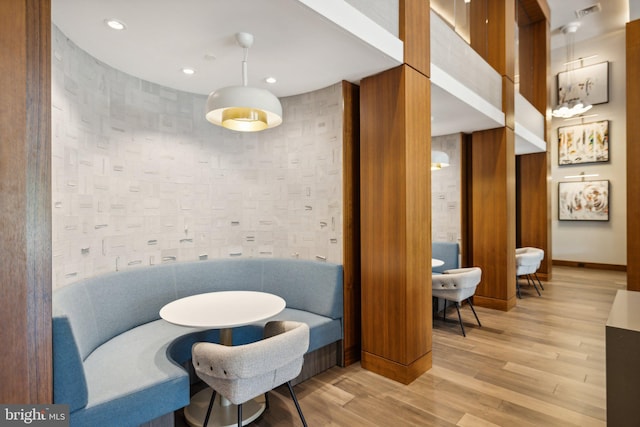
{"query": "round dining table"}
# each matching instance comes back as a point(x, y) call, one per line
point(223, 310)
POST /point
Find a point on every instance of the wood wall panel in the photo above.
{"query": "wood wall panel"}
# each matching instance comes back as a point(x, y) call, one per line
point(25, 207)
point(534, 206)
point(530, 11)
point(534, 170)
point(491, 200)
point(490, 156)
point(351, 220)
point(395, 223)
point(493, 34)
point(414, 32)
point(633, 154)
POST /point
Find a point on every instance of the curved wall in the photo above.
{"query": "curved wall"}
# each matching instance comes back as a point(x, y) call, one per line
point(140, 178)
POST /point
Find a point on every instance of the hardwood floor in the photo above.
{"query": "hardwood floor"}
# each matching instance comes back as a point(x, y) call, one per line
point(540, 364)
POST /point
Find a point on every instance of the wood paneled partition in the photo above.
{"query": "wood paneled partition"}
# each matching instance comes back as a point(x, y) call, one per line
point(491, 227)
point(633, 155)
point(533, 207)
point(351, 221)
point(491, 197)
point(395, 207)
point(25, 202)
point(396, 223)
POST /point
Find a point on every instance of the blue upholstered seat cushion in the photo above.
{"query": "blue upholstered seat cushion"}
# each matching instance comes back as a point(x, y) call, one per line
point(130, 377)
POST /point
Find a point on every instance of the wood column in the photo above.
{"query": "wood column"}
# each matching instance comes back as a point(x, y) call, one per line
point(533, 203)
point(491, 166)
point(25, 202)
point(395, 195)
point(351, 220)
point(633, 154)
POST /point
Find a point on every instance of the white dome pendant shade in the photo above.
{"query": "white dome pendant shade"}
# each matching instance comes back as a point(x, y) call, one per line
point(244, 108)
point(439, 160)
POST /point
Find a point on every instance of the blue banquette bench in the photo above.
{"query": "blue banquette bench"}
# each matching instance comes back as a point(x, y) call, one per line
point(447, 252)
point(116, 363)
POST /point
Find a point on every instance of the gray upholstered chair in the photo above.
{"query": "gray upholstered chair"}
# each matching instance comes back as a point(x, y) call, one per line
point(527, 263)
point(540, 253)
point(457, 285)
point(243, 372)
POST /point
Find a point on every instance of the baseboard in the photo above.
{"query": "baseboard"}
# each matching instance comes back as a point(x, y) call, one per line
point(593, 265)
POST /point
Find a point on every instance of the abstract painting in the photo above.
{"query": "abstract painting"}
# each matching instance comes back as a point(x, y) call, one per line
point(590, 83)
point(583, 201)
point(583, 143)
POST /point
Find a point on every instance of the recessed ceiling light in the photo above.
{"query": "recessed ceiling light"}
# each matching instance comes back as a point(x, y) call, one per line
point(189, 71)
point(115, 24)
point(270, 80)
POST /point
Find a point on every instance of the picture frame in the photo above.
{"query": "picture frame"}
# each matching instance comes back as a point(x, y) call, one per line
point(590, 84)
point(583, 201)
point(583, 143)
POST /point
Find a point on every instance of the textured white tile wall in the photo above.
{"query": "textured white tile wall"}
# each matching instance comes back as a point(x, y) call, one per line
point(140, 178)
point(445, 192)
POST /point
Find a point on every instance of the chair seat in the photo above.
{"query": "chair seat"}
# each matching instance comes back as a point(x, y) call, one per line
point(457, 285)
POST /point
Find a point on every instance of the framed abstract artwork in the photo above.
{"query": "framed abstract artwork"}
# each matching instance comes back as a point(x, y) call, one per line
point(583, 201)
point(590, 83)
point(583, 143)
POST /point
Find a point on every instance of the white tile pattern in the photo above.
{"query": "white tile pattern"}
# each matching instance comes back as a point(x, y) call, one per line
point(140, 178)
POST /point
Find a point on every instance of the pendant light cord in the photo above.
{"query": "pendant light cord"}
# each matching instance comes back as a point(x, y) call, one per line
point(245, 79)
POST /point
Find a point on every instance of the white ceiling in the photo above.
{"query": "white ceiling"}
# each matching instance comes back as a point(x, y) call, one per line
point(292, 43)
point(613, 16)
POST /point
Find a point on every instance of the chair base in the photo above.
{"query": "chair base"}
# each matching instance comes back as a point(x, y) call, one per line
point(530, 281)
point(457, 305)
point(221, 415)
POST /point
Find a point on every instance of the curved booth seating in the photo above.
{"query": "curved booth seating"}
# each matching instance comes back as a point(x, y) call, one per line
point(527, 264)
point(117, 363)
point(457, 285)
point(241, 373)
point(446, 252)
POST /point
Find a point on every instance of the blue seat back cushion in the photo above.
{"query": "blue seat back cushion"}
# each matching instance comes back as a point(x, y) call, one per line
point(306, 285)
point(218, 275)
point(69, 383)
point(101, 307)
point(447, 252)
point(129, 299)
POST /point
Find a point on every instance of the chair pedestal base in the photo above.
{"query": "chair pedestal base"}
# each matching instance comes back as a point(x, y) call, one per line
point(223, 414)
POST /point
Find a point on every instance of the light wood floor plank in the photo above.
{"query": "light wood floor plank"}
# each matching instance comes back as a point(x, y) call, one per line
point(540, 364)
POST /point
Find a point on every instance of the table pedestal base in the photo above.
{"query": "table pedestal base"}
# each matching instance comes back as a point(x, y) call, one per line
point(222, 414)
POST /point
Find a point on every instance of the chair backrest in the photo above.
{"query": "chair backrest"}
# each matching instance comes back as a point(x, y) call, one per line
point(527, 263)
point(459, 278)
point(243, 372)
point(456, 285)
point(531, 250)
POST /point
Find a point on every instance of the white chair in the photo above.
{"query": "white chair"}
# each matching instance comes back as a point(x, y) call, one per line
point(457, 285)
point(540, 253)
point(241, 373)
point(527, 263)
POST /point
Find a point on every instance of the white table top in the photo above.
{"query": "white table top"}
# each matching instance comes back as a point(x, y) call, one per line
point(435, 262)
point(222, 309)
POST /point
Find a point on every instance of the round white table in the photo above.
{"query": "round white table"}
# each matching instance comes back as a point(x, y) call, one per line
point(435, 262)
point(223, 310)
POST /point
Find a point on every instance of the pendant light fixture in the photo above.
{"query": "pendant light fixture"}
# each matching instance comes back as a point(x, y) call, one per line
point(244, 108)
point(569, 107)
point(439, 160)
